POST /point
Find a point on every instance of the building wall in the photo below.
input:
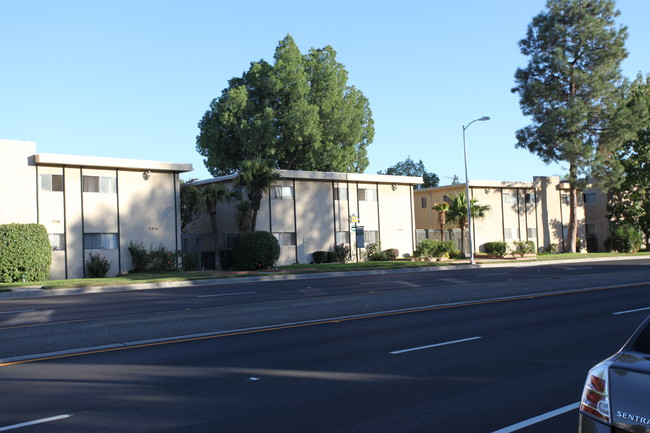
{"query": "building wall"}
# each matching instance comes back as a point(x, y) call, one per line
point(126, 208)
point(317, 219)
point(535, 211)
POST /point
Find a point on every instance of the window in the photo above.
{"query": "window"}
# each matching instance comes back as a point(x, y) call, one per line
point(57, 240)
point(565, 199)
point(509, 197)
point(285, 238)
point(340, 193)
point(99, 184)
point(51, 182)
point(100, 241)
point(589, 197)
point(424, 202)
point(342, 238)
point(511, 234)
point(371, 236)
point(531, 233)
point(282, 192)
point(530, 197)
point(366, 194)
point(590, 229)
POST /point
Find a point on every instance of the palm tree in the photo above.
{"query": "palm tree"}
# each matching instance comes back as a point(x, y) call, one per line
point(257, 176)
point(457, 213)
point(207, 199)
point(442, 208)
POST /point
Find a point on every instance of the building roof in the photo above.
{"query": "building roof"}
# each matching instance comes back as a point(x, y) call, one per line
point(500, 184)
point(108, 163)
point(332, 176)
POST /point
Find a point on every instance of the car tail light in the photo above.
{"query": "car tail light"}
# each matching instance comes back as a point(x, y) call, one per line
point(595, 396)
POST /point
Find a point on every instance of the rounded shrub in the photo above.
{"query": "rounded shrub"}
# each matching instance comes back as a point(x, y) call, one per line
point(320, 256)
point(498, 249)
point(256, 250)
point(25, 253)
point(625, 238)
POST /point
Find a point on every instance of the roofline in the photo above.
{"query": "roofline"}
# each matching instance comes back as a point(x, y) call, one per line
point(112, 163)
point(331, 176)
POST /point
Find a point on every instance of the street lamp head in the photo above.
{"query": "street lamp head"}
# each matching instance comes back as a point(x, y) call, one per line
point(484, 118)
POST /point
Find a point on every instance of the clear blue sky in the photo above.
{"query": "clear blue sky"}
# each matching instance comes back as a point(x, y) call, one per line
point(132, 79)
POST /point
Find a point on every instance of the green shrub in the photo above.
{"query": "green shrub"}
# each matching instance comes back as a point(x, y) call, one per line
point(320, 256)
point(25, 253)
point(256, 250)
point(374, 253)
point(428, 248)
point(522, 248)
point(342, 253)
point(551, 249)
point(625, 238)
point(153, 260)
point(391, 254)
point(331, 257)
point(191, 261)
point(98, 266)
point(455, 254)
point(498, 249)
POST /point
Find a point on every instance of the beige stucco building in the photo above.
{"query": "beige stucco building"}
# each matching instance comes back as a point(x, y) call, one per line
point(90, 204)
point(313, 211)
point(519, 211)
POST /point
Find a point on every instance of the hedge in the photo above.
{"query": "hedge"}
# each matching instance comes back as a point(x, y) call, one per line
point(256, 250)
point(25, 253)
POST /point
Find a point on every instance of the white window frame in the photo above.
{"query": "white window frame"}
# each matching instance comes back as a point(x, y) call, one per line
point(100, 241)
point(281, 192)
point(286, 239)
point(342, 237)
point(509, 197)
point(511, 234)
point(102, 184)
point(57, 241)
point(340, 193)
point(48, 184)
point(367, 194)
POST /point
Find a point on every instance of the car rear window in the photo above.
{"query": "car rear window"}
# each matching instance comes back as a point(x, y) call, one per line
point(642, 343)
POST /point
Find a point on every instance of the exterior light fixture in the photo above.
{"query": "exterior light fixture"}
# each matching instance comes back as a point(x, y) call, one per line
point(146, 174)
point(467, 198)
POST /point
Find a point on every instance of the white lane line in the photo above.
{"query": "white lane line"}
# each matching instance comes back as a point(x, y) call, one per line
point(380, 282)
point(17, 311)
point(631, 311)
point(540, 418)
point(226, 294)
point(495, 273)
point(397, 352)
point(38, 421)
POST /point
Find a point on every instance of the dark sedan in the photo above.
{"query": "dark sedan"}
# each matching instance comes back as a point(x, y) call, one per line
point(616, 396)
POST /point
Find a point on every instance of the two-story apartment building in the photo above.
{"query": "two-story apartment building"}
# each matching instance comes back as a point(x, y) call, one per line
point(90, 204)
point(310, 211)
point(519, 211)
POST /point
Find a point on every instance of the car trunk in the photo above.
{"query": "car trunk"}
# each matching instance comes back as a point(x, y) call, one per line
point(629, 382)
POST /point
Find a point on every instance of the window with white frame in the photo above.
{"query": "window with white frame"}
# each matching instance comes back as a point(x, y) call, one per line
point(100, 241)
point(531, 232)
point(342, 238)
point(367, 194)
point(279, 192)
point(101, 184)
point(424, 202)
point(530, 198)
point(511, 234)
point(285, 238)
point(565, 199)
point(57, 240)
point(340, 193)
point(51, 182)
point(370, 236)
point(509, 197)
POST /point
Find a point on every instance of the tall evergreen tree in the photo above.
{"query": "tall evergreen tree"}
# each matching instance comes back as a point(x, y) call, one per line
point(573, 91)
point(298, 112)
point(410, 168)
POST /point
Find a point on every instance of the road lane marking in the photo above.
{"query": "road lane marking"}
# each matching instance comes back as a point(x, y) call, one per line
point(631, 311)
point(397, 352)
point(277, 327)
point(226, 294)
point(495, 274)
point(380, 282)
point(538, 419)
point(38, 421)
point(17, 311)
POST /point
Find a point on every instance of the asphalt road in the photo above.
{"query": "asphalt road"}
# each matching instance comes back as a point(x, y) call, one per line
point(476, 357)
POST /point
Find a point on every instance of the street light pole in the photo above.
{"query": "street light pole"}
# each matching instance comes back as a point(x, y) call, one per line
point(469, 206)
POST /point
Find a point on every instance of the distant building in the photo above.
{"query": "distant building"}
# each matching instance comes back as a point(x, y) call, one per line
point(535, 211)
point(596, 219)
point(90, 204)
point(310, 211)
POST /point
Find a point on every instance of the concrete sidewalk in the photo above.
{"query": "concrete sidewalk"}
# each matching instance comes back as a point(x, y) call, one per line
point(37, 291)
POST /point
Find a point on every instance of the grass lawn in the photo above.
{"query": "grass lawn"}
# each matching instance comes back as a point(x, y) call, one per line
point(292, 269)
